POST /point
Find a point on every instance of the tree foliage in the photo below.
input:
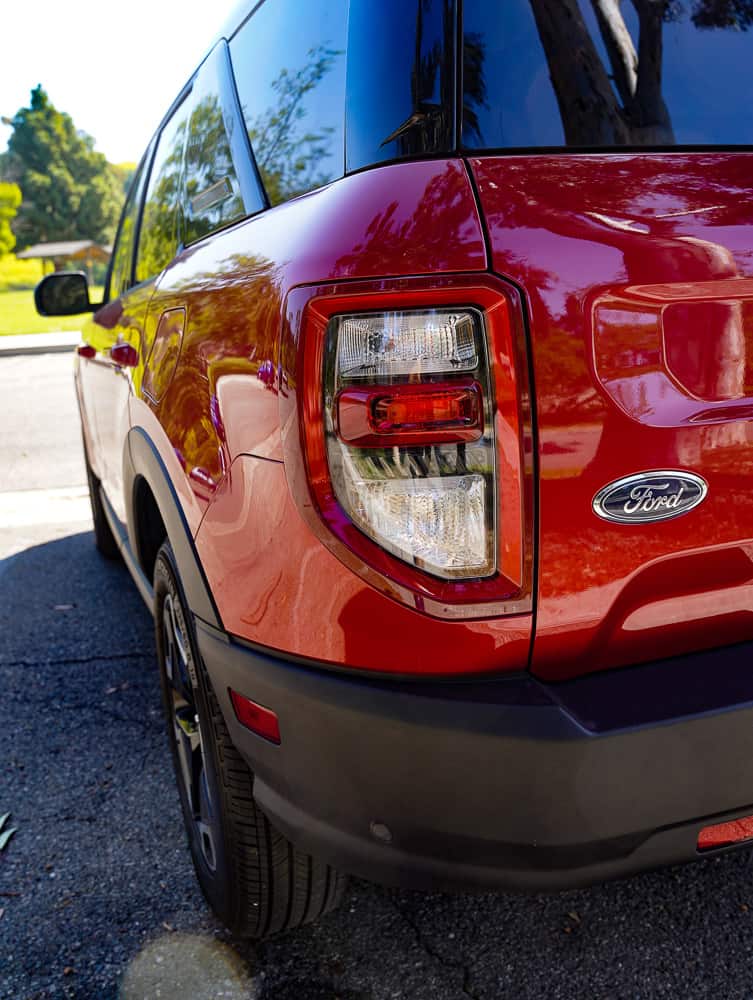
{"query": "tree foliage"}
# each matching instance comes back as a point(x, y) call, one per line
point(10, 199)
point(287, 153)
point(212, 193)
point(124, 174)
point(159, 240)
point(723, 14)
point(69, 190)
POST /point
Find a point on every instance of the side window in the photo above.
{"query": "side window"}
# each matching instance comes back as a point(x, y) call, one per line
point(289, 65)
point(121, 270)
point(220, 184)
point(159, 236)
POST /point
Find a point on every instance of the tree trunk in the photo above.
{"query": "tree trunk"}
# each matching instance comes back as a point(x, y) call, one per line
point(647, 113)
point(591, 115)
point(591, 112)
point(619, 45)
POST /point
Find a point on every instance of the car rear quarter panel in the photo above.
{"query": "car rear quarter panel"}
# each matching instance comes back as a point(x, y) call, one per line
point(219, 421)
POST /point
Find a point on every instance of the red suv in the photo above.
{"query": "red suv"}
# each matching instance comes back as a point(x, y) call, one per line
point(419, 408)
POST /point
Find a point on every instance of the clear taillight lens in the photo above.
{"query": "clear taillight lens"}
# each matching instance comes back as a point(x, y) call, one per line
point(409, 434)
point(385, 345)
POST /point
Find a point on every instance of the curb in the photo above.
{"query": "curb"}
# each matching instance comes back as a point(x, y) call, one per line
point(40, 343)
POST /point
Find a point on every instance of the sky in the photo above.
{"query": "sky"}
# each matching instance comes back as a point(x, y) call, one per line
point(115, 68)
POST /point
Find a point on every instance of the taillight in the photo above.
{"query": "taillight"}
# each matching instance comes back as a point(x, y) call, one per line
point(408, 412)
point(406, 428)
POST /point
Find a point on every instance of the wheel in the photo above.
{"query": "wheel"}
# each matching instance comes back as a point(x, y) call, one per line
point(103, 536)
point(255, 880)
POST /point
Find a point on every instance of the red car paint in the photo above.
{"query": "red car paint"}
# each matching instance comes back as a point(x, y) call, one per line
point(621, 260)
point(275, 583)
point(206, 394)
point(637, 275)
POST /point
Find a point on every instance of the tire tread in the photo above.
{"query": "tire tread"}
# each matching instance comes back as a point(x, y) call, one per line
point(278, 887)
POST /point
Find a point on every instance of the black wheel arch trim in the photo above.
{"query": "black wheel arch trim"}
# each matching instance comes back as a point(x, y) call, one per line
point(141, 459)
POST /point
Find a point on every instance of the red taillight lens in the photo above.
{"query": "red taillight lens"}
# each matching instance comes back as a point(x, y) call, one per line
point(383, 416)
point(257, 718)
point(722, 834)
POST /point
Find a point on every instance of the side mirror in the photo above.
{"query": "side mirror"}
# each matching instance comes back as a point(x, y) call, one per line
point(63, 294)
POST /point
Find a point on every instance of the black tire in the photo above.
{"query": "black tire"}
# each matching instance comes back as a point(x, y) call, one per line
point(103, 536)
point(256, 881)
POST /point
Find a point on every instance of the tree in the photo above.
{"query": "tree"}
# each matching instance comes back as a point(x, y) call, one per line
point(69, 190)
point(633, 112)
point(10, 199)
point(618, 105)
point(287, 154)
point(124, 173)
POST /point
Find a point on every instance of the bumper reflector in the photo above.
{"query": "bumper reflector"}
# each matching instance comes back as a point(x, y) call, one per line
point(722, 834)
point(258, 719)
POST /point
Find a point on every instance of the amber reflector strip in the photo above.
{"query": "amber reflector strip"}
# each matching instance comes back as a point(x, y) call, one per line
point(404, 415)
point(725, 833)
point(258, 719)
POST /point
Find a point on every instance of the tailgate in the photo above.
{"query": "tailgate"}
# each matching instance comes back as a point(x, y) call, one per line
point(638, 275)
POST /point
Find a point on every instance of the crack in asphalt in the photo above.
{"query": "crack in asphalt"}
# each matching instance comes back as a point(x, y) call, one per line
point(147, 723)
point(72, 661)
point(435, 955)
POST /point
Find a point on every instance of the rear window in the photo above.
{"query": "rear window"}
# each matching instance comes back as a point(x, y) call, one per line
point(592, 74)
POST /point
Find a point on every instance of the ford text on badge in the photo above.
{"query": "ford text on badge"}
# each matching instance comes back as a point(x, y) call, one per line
point(650, 496)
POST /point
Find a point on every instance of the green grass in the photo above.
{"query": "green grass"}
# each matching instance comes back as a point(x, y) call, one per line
point(18, 315)
point(19, 274)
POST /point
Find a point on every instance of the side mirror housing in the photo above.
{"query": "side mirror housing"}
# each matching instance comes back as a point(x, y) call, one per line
point(65, 293)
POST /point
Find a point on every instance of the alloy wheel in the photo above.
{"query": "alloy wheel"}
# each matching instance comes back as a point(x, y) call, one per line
point(186, 730)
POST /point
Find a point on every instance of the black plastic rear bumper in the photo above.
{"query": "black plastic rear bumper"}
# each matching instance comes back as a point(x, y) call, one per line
point(507, 782)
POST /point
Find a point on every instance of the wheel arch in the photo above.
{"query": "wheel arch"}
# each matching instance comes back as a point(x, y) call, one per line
point(154, 512)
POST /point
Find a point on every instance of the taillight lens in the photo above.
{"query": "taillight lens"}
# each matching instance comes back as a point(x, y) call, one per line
point(408, 412)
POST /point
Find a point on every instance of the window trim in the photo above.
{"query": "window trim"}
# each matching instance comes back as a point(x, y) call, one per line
point(242, 155)
point(252, 192)
point(142, 169)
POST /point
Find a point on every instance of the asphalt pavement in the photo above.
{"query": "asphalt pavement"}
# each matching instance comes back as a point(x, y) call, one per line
point(97, 893)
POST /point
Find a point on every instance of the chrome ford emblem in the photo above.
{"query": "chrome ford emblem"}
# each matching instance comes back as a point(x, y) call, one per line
point(650, 496)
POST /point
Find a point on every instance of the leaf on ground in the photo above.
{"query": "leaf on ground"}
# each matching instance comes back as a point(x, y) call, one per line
point(5, 835)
